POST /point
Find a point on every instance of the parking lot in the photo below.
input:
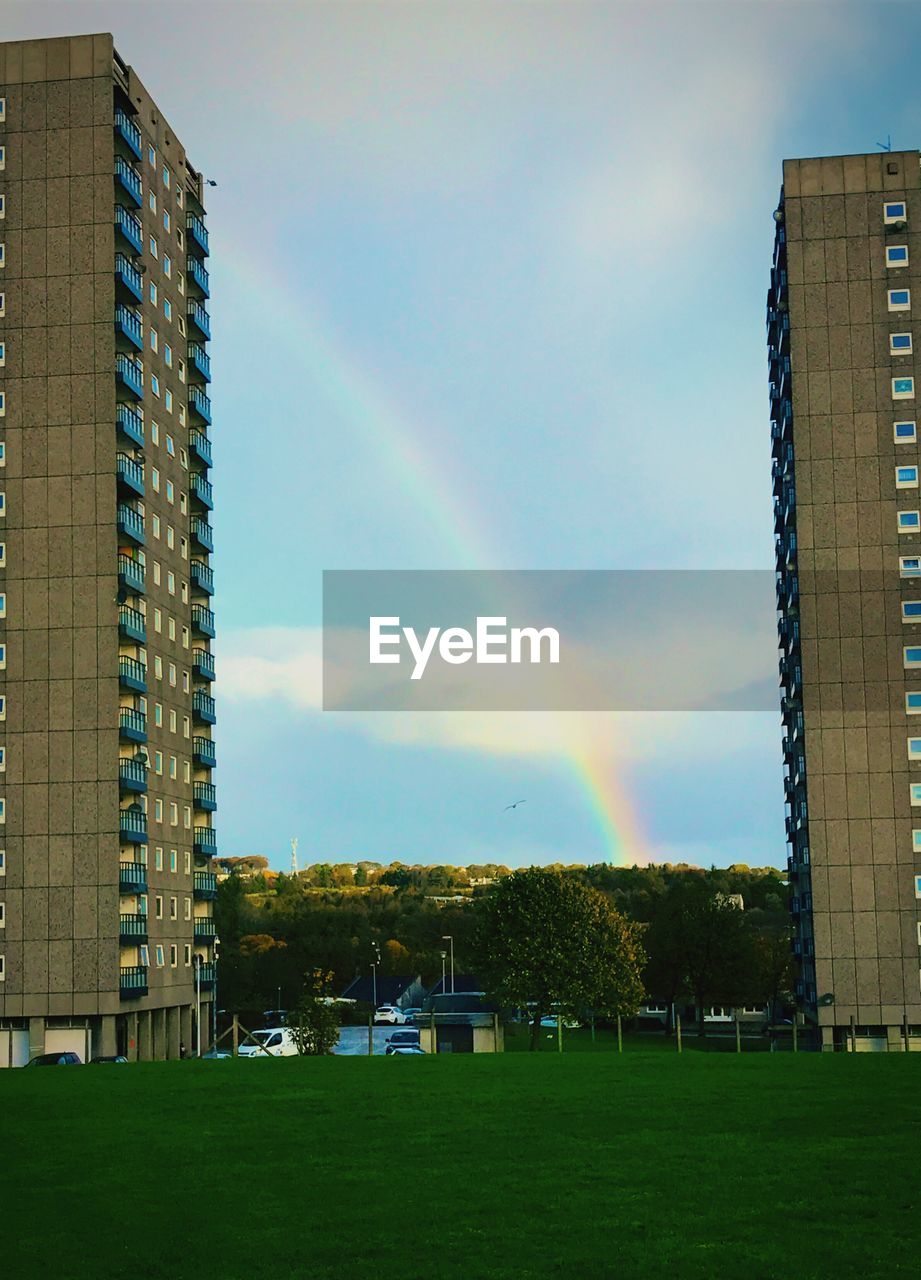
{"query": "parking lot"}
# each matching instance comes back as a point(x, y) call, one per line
point(353, 1041)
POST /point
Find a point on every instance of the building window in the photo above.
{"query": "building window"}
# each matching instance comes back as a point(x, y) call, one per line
point(2, 254)
point(154, 251)
point(173, 907)
point(899, 299)
point(2, 404)
point(152, 201)
point(916, 841)
point(188, 955)
point(154, 340)
point(188, 871)
point(911, 657)
point(158, 907)
point(2, 657)
point(168, 400)
point(914, 748)
point(152, 157)
point(187, 816)
point(918, 886)
point(172, 722)
point(158, 859)
point(915, 793)
point(173, 954)
point(153, 293)
point(167, 265)
point(2, 555)
point(2, 862)
point(905, 432)
point(173, 860)
point(2, 968)
point(908, 521)
point(2, 811)
point(155, 384)
point(159, 955)
point(145, 955)
point(166, 220)
point(911, 610)
point(899, 344)
point(158, 811)
point(166, 177)
point(158, 714)
point(913, 704)
point(171, 492)
point(2, 157)
point(903, 388)
point(172, 766)
point(910, 566)
point(896, 255)
point(2, 706)
point(158, 762)
point(2, 604)
point(167, 309)
point(894, 211)
point(906, 477)
point(3, 114)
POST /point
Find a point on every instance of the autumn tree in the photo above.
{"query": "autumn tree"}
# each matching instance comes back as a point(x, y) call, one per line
point(314, 1024)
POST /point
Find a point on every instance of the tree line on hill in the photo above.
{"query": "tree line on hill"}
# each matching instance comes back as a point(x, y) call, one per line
point(718, 936)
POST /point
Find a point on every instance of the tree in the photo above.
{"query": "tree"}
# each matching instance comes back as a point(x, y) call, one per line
point(314, 1024)
point(547, 942)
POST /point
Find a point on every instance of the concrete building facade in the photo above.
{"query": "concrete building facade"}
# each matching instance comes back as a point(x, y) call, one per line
point(844, 335)
point(107, 935)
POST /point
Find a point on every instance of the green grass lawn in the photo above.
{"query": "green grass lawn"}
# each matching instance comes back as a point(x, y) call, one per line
point(574, 1165)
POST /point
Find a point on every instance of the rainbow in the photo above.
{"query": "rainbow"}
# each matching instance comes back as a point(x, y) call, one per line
point(434, 493)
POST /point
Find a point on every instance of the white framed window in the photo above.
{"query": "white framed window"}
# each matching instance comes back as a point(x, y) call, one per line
point(916, 841)
point(2, 304)
point(144, 952)
point(173, 859)
point(159, 954)
point(905, 432)
point(172, 675)
point(158, 714)
point(155, 384)
point(2, 555)
point(153, 293)
point(913, 704)
point(152, 201)
point(151, 157)
point(158, 667)
point(2, 604)
point(186, 732)
point(2, 453)
point(2, 811)
point(900, 344)
point(166, 220)
point(2, 759)
point(158, 762)
point(2, 254)
point(154, 340)
point(911, 657)
point(166, 177)
point(173, 907)
point(158, 858)
point(158, 817)
point(2, 968)
point(171, 493)
point(168, 400)
point(914, 749)
point(2, 206)
point(2, 157)
point(167, 265)
point(2, 706)
point(2, 404)
point(155, 252)
point(173, 766)
point(906, 477)
point(908, 521)
point(896, 255)
point(172, 721)
point(910, 566)
point(188, 954)
point(174, 822)
point(158, 907)
point(154, 433)
point(3, 114)
point(179, 196)
point(186, 777)
point(170, 446)
point(188, 871)
point(2, 862)
point(171, 536)
point(894, 211)
point(2, 657)
point(2, 915)
point(903, 388)
point(173, 955)
point(918, 886)
point(187, 817)
point(914, 793)
point(899, 299)
point(168, 309)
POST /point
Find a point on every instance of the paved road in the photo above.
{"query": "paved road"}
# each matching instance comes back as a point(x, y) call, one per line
point(353, 1041)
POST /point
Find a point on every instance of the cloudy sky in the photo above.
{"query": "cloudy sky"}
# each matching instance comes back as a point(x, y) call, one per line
point(489, 286)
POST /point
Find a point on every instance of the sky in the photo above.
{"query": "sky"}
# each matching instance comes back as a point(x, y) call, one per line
point(488, 293)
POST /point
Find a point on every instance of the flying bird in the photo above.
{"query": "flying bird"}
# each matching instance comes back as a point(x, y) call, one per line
point(514, 806)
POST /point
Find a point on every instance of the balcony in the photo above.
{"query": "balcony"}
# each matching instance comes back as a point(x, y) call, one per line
point(132, 776)
point(203, 664)
point(130, 424)
point(128, 131)
point(204, 842)
point(203, 752)
point(128, 277)
point(130, 523)
point(205, 928)
point(204, 796)
point(132, 674)
point(129, 474)
point(203, 620)
point(207, 975)
point(132, 928)
point(132, 828)
point(201, 533)
point(199, 363)
point(131, 574)
point(201, 490)
point(200, 446)
point(197, 279)
point(203, 708)
point(132, 725)
point(129, 180)
point(127, 329)
point(132, 877)
point(202, 576)
point(129, 374)
point(132, 625)
point(197, 233)
point(129, 228)
point(132, 981)
point(199, 404)
point(199, 319)
point(205, 886)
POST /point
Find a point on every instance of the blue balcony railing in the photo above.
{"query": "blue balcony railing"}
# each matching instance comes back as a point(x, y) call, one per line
point(132, 775)
point(197, 233)
point(132, 674)
point(132, 928)
point(132, 725)
point(129, 227)
point(203, 664)
point(129, 374)
point(204, 885)
point(202, 533)
point(128, 130)
point(199, 363)
point(204, 796)
point(204, 928)
point(207, 975)
point(203, 707)
point(130, 424)
point(204, 841)
point(131, 574)
point(129, 180)
point(203, 620)
point(132, 827)
point(202, 576)
point(197, 277)
point(132, 981)
point(199, 318)
point(132, 625)
point(128, 328)
point(200, 404)
point(128, 276)
point(201, 490)
point(200, 446)
point(203, 752)
point(129, 473)
point(130, 523)
point(132, 876)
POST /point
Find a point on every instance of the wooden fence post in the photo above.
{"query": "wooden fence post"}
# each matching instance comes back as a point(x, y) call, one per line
point(236, 1034)
point(678, 1030)
point(620, 1034)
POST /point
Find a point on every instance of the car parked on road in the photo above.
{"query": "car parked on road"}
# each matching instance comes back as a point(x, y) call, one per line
point(56, 1060)
point(407, 1050)
point(277, 1042)
point(411, 1014)
point(109, 1057)
point(408, 1039)
point(389, 1015)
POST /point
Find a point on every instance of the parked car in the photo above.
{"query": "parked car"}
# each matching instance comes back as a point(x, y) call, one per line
point(56, 1060)
point(278, 1042)
point(402, 1040)
point(410, 1014)
point(109, 1057)
point(407, 1050)
point(390, 1015)
point(217, 1053)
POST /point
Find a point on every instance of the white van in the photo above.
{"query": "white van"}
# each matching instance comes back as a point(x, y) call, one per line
point(278, 1042)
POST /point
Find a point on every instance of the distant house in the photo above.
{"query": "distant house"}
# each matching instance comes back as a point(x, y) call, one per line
point(463, 982)
point(463, 1023)
point(405, 993)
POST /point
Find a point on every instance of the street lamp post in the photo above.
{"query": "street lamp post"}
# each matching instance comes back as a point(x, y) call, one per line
point(447, 937)
point(197, 966)
point(444, 956)
point(374, 963)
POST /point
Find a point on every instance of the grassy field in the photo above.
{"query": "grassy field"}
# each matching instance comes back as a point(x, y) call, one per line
point(581, 1164)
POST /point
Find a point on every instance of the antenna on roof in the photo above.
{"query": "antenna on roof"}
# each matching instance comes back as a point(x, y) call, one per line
point(294, 855)
point(887, 145)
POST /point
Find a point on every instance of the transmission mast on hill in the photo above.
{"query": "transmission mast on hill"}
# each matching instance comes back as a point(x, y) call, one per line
point(294, 856)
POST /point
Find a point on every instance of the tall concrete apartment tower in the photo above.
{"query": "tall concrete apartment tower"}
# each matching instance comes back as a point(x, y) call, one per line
point(107, 936)
point(844, 314)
